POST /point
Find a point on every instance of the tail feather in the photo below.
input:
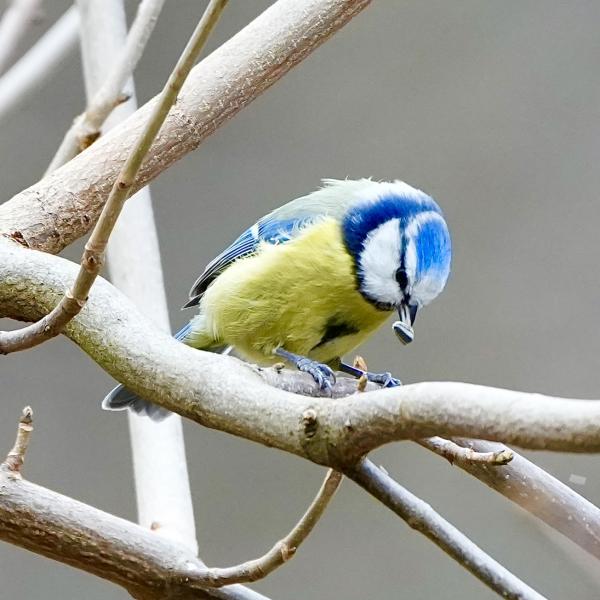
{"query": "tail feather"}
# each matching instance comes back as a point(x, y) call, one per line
point(120, 398)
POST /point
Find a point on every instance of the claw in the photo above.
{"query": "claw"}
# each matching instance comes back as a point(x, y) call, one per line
point(321, 373)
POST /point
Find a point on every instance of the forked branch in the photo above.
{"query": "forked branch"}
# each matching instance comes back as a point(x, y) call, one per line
point(147, 565)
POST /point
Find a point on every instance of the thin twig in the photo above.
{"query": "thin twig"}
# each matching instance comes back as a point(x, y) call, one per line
point(420, 516)
point(462, 455)
point(16, 20)
point(285, 548)
point(93, 257)
point(86, 127)
point(16, 457)
point(39, 63)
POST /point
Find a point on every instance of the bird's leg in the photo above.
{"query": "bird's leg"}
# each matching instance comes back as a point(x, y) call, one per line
point(321, 373)
point(384, 379)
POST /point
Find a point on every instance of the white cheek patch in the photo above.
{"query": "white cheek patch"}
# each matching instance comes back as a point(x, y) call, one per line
point(379, 261)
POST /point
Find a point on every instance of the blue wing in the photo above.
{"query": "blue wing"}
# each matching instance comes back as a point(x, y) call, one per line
point(268, 229)
point(283, 225)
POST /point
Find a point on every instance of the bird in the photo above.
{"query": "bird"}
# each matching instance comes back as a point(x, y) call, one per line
point(314, 278)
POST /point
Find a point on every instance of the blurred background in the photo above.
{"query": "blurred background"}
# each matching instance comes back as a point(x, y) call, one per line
point(491, 107)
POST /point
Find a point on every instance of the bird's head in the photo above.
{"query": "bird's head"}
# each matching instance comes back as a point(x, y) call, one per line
point(401, 248)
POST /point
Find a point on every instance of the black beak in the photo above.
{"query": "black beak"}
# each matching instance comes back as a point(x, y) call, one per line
point(403, 328)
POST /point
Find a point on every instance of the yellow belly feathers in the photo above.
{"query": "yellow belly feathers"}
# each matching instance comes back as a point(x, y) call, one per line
point(291, 295)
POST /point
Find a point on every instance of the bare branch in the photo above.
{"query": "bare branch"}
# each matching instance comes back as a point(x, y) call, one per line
point(420, 516)
point(93, 257)
point(86, 127)
point(149, 566)
point(541, 494)
point(15, 22)
point(245, 403)
point(15, 458)
point(284, 549)
point(162, 488)
point(39, 63)
point(462, 455)
point(223, 83)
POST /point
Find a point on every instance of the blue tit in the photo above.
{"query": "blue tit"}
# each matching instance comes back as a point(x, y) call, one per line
point(316, 277)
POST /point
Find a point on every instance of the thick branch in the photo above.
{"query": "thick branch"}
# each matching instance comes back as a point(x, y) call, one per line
point(245, 403)
point(93, 256)
point(79, 535)
point(420, 516)
point(63, 206)
point(147, 565)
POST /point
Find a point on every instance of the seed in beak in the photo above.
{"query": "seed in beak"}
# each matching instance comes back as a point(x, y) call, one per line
point(404, 332)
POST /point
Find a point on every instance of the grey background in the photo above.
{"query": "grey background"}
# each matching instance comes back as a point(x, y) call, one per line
point(492, 107)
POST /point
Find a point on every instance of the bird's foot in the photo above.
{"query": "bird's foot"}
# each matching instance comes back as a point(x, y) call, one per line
point(322, 374)
point(383, 379)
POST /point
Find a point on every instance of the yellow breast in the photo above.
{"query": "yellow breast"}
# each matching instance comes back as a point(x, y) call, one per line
point(300, 295)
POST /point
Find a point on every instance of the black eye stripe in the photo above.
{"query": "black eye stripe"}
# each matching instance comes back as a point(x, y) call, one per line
point(402, 278)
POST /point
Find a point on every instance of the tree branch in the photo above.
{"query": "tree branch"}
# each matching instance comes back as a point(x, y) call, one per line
point(147, 565)
point(539, 493)
point(16, 20)
point(39, 63)
point(245, 403)
point(86, 127)
point(63, 206)
point(93, 257)
point(420, 516)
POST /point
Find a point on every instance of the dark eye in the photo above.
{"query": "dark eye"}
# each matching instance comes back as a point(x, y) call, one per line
point(402, 278)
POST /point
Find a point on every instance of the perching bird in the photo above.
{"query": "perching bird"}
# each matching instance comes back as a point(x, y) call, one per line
point(313, 279)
